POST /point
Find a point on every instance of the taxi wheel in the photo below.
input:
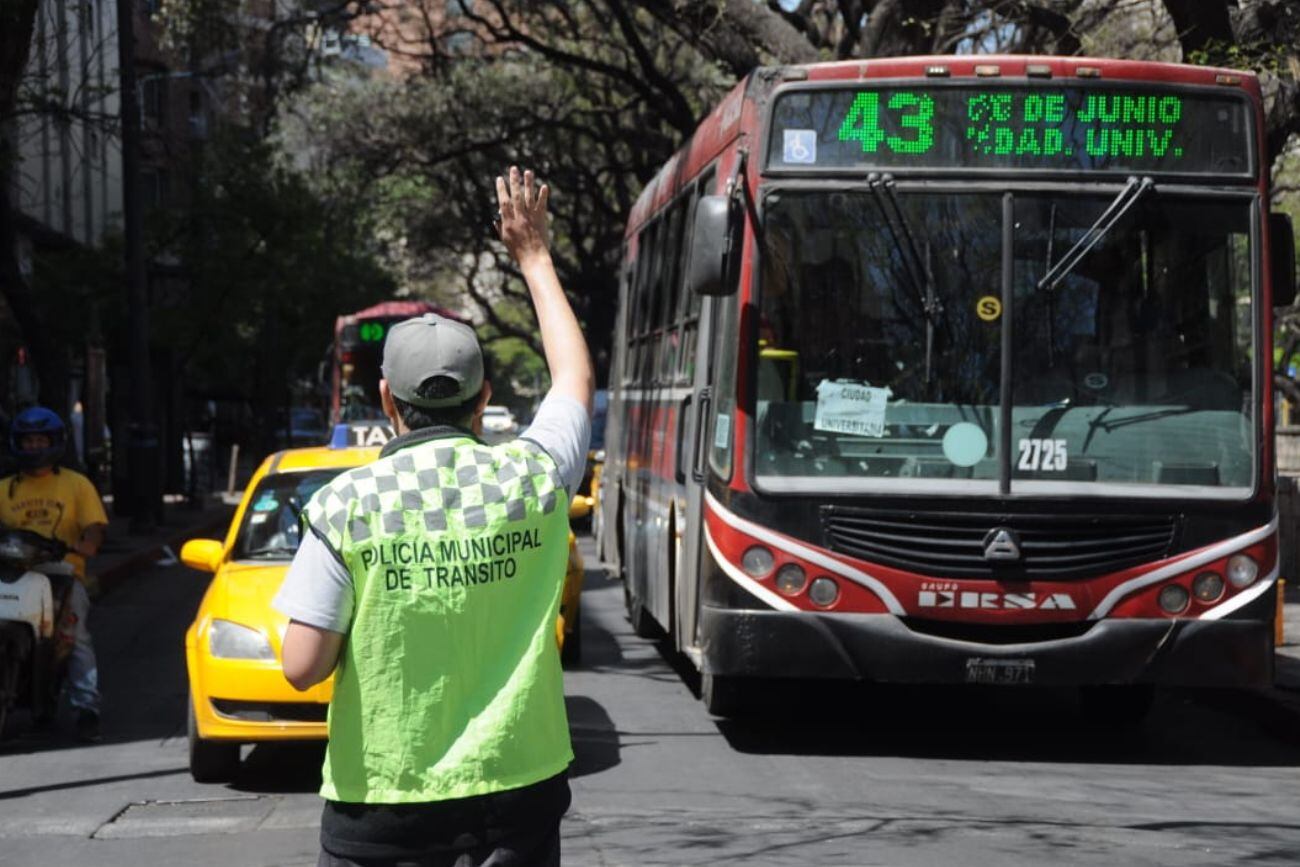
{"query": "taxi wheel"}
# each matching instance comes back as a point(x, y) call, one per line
point(210, 761)
point(571, 652)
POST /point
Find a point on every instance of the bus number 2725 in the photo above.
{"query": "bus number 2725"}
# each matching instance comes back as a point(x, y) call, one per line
point(1042, 455)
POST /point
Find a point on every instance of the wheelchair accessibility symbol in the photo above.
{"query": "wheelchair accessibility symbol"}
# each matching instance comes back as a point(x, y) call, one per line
point(800, 146)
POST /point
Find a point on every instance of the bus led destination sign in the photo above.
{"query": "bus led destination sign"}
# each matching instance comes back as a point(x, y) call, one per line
point(1068, 129)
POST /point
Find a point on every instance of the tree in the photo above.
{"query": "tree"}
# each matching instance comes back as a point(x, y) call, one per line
point(24, 95)
point(595, 117)
point(269, 264)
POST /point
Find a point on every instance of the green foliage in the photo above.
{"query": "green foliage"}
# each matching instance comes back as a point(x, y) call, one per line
point(270, 263)
point(1261, 56)
point(423, 154)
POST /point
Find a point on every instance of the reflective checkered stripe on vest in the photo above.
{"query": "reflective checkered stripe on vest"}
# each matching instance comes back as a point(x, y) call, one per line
point(449, 684)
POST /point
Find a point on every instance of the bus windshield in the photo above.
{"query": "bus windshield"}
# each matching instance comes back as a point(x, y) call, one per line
point(360, 355)
point(880, 344)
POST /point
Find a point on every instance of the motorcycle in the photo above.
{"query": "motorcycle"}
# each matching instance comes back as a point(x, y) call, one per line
point(36, 628)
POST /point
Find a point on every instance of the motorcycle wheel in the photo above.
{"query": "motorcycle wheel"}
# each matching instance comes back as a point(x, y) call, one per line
point(15, 645)
point(210, 761)
point(8, 688)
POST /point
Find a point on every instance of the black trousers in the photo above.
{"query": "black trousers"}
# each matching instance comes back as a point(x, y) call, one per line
point(541, 849)
point(514, 828)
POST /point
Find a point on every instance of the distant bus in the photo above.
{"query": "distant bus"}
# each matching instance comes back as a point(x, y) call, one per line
point(358, 352)
point(955, 370)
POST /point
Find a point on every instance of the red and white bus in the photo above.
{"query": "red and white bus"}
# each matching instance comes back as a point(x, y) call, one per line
point(955, 370)
point(358, 352)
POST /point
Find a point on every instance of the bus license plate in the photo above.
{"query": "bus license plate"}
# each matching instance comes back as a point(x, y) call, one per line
point(999, 671)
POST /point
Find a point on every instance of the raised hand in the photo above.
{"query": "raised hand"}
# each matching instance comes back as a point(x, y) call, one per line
point(522, 208)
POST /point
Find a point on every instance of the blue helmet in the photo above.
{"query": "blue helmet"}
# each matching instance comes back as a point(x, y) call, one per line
point(37, 420)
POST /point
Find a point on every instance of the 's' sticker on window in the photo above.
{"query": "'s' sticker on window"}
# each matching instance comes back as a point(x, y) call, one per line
point(851, 408)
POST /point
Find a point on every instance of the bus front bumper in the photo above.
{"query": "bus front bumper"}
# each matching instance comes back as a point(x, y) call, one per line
point(882, 648)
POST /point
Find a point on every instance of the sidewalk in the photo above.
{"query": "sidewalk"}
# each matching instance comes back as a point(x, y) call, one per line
point(125, 553)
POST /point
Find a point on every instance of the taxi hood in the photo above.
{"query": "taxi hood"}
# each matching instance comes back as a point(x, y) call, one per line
point(243, 593)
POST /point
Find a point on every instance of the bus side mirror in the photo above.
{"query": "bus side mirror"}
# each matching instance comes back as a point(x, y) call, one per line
point(1281, 249)
point(712, 237)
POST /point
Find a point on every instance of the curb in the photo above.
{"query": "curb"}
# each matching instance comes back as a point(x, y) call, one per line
point(113, 576)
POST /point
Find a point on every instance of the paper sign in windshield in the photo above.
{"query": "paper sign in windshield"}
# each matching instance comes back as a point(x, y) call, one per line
point(851, 408)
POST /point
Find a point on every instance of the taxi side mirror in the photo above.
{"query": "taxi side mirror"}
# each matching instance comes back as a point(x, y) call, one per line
point(202, 554)
point(580, 507)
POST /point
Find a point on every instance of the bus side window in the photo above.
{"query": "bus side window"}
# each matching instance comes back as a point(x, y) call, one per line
point(690, 302)
point(672, 253)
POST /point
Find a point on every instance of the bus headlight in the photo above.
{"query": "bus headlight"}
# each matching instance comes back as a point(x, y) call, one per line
point(1242, 570)
point(1207, 587)
point(229, 640)
point(1173, 599)
point(824, 591)
point(757, 561)
point(790, 579)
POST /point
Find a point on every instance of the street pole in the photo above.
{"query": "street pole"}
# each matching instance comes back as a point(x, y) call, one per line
point(145, 496)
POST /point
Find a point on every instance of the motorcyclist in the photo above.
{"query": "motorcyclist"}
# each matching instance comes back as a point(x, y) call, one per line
point(62, 504)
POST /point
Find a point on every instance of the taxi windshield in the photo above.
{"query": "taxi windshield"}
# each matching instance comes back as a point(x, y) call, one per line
point(880, 359)
point(271, 529)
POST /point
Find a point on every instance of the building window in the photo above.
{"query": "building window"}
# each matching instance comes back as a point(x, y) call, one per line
point(153, 99)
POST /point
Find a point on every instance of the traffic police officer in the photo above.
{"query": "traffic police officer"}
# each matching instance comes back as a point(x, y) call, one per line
point(431, 579)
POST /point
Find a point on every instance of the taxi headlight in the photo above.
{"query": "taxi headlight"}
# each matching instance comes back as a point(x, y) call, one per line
point(229, 640)
point(1242, 570)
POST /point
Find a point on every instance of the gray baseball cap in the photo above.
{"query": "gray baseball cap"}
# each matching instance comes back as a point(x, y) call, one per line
point(432, 346)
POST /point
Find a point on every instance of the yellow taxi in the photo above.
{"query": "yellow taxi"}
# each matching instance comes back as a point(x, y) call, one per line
point(238, 692)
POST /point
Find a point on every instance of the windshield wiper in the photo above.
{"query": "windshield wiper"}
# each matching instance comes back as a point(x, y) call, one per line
point(900, 231)
point(1134, 191)
point(273, 550)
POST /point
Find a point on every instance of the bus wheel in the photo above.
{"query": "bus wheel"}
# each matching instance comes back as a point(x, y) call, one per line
point(643, 625)
point(1117, 706)
point(723, 695)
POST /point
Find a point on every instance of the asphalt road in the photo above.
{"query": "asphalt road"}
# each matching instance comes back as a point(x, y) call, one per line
point(861, 777)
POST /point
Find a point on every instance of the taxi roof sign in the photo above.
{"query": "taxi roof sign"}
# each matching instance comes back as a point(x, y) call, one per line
point(361, 434)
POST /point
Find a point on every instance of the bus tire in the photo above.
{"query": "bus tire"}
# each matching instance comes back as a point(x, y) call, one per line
point(643, 624)
point(1117, 705)
point(724, 695)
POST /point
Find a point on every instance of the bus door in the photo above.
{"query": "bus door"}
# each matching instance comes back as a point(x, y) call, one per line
point(705, 444)
point(694, 419)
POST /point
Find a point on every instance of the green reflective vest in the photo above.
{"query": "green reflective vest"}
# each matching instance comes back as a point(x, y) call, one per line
point(449, 683)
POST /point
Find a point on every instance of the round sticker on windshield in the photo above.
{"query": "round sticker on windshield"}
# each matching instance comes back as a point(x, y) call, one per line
point(965, 444)
point(988, 308)
point(1096, 381)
